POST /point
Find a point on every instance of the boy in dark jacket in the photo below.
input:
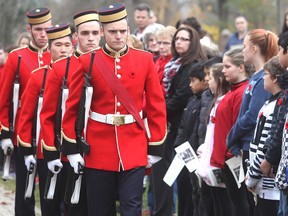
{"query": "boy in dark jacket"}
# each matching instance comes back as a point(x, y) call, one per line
point(193, 130)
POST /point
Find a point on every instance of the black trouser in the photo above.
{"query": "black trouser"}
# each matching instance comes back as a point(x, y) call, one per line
point(221, 202)
point(51, 207)
point(184, 187)
point(26, 207)
point(206, 201)
point(267, 207)
point(81, 207)
point(238, 196)
point(102, 187)
point(163, 194)
point(22, 207)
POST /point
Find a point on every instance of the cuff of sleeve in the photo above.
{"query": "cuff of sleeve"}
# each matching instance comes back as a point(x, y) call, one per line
point(25, 150)
point(5, 134)
point(50, 155)
point(69, 147)
point(156, 150)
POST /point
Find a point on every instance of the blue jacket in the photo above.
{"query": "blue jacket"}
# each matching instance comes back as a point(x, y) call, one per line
point(254, 97)
point(233, 41)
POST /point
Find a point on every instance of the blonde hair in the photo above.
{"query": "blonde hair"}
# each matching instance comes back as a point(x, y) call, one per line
point(134, 42)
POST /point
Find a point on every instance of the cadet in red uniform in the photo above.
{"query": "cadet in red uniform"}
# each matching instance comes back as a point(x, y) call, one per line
point(33, 56)
point(118, 142)
point(60, 45)
point(88, 37)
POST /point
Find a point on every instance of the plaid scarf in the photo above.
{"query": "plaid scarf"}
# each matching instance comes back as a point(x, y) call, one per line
point(170, 71)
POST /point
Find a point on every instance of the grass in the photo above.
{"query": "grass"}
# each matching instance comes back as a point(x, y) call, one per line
point(10, 186)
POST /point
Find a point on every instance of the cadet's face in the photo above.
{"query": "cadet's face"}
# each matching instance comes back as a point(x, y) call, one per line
point(88, 36)
point(116, 34)
point(38, 33)
point(61, 48)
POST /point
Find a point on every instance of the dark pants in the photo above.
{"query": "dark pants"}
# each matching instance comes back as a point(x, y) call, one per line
point(26, 207)
point(206, 201)
point(102, 187)
point(81, 207)
point(221, 202)
point(52, 207)
point(185, 193)
point(22, 207)
point(238, 196)
point(267, 207)
point(163, 194)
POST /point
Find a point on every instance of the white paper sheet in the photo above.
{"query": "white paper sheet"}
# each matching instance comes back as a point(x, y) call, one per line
point(236, 167)
point(173, 170)
point(188, 155)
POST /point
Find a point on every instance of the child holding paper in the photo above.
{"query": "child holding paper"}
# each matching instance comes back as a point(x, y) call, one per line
point(219, 87)
point(193, 129)
point(267, 194)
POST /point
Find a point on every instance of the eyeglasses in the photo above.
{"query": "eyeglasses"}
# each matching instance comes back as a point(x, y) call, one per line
point(182, 39)
point(164, 43)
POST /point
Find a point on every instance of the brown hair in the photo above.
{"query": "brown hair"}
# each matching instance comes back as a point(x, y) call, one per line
point(273, 66)
point(194, 51)
point(267, 42)
point(135, 42)
point(223, 86)
point(237, 58)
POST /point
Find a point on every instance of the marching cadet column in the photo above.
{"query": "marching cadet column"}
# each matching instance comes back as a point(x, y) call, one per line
point(118, 144)
point(88, 37)
point(32, 57)
point(60, 45)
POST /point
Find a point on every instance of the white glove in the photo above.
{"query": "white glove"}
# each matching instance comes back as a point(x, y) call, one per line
point(74, 160)
point(28, 160)
point(55, 166)
point(152, 159)
point(7, 143)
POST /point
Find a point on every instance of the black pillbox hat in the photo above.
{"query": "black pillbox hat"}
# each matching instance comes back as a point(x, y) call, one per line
point(112, 13)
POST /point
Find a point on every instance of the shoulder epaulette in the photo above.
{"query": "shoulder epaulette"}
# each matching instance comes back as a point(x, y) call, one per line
point(141, 50)
point(18, 48)
point(40, 68)
point(61, 59)
point(98, 48)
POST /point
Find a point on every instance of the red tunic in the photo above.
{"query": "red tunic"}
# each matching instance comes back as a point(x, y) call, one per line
point(29, 102)
point(126, 145)
point(50, 104)
point(226, 116)
point(31, 60)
